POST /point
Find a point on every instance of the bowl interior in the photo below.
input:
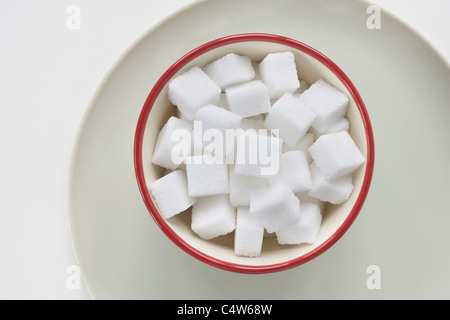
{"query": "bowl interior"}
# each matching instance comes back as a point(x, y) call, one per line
point(335, 218)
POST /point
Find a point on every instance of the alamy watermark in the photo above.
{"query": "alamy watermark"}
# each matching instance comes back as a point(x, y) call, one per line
point(73, 281)
point(260, 148)
point(73, 21)
point(373, 281)
point(373, 22)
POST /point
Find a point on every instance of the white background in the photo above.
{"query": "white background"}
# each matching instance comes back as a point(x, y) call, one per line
point(48, 74)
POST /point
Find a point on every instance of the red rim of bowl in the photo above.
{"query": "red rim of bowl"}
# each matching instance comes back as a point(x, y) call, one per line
point(140, 128)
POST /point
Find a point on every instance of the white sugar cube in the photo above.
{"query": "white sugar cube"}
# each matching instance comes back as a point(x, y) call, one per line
point(303, 145)
point(230, 69)
point(193, 90)
point(327, 102)
point(306, 198)
point(303, 87)
point(315, 133)
point(335, 191)
point(255, 124)
point(305, 230)
point(279, 72)
point(291, 118)
point(170, 194)
point(213, 216)
point(173, 143)
point(341, 125)
point(206, 175)
point(181, 116)
point(248, 237)
point(214, 117)
point(336, 154)
point(215, 121)
point(248, 99)
point(294, 172)
point(276, 206)
point(257, 154)
point(242, 187)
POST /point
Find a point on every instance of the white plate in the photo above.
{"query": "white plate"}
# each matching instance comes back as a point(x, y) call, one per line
point(403, 226)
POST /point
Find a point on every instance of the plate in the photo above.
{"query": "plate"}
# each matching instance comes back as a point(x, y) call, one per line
point(398, 247)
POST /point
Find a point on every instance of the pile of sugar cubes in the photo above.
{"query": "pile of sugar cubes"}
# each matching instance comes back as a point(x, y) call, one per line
point(272, 182)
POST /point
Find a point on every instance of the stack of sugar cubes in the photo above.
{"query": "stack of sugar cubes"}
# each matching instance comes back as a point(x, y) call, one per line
point(254, 151)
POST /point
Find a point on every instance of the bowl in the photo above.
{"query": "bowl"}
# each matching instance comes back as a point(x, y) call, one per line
point(219, 252)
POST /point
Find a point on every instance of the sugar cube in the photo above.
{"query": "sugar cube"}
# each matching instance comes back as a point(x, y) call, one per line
point(294, 172)
point(276, 206)
point(193, 90)
point(341, 125)
point(173, 144)
point(291, 118)
point(335, 191)
point(315, 133)
point(213, 216)
point(206, 175)
point(230, 69)
point(242, 187)
point(181, 116)
point(248, 99)
point(214, 117)
point(215, 121)
point(248, 236)
point(327, 102)
point(279, 72)
point(306, 228)
point(170, 194)
point(336, 154)
point(305, 197)
point(303, 87)
point(302, 145)
point(257, 154)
